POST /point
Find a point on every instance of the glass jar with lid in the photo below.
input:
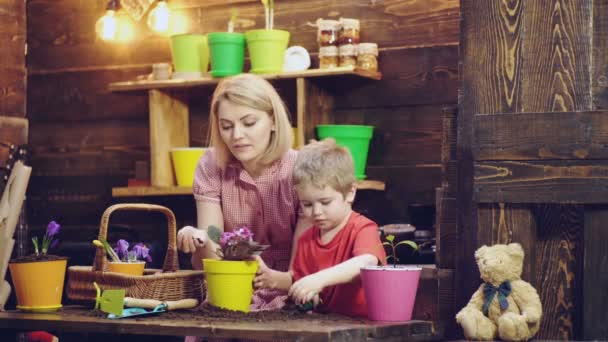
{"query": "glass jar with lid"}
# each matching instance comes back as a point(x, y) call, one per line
point(348, 55)
point(349, 32)
point(328, 57)
point(328, 32)
point(367, 56)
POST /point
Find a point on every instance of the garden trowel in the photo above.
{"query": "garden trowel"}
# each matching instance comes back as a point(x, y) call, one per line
point(109, 301)
point(138, 307)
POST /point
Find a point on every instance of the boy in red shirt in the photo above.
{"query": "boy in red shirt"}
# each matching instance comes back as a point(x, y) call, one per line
point(331, 253)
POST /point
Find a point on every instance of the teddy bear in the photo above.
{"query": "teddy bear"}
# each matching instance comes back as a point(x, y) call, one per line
point(504, 305)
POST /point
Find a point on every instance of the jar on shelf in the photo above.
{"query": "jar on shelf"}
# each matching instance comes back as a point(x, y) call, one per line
point(328, 32)
point(349, 32)
point(328, 57)
point(348, 55)
point(367, 56)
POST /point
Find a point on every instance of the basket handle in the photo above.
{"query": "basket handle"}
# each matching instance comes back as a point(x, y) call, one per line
point(171, 259)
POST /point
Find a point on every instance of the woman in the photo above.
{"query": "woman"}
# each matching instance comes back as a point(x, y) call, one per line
point(245, 179)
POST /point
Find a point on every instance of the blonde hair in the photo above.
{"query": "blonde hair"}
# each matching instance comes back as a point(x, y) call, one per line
point(324, 163)
point(257, 93)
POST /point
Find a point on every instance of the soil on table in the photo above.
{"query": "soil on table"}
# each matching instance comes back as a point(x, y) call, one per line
point(206, 313)
point(39, 257)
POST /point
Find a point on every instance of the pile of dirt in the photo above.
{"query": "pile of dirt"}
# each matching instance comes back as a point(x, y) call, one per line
point(37, 257)
point(206, 313)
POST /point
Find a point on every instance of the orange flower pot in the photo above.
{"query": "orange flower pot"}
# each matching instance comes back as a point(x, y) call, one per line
point(38, 284)
point(131, 268)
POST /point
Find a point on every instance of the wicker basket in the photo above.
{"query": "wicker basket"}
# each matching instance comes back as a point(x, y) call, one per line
point(167, 284)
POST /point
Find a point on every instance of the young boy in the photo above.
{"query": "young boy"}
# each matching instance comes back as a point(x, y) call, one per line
point(330, 254)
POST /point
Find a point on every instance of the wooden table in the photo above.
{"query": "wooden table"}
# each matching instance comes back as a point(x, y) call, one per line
point(317, 328)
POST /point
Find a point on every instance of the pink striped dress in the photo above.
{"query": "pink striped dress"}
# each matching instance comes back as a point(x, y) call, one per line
point(267, 205)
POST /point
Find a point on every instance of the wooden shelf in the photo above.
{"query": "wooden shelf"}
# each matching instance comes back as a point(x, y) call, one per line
point(205, 81)
point(143, 191)
point(170, 112)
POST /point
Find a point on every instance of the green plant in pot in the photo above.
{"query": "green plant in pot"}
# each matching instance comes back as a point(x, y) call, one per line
point(267, 46)
point(38, 278)
point(390, 291)
point(229, 279)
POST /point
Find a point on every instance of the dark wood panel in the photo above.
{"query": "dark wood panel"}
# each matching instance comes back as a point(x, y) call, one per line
point(88, 137)
point(505, 223)
point(446, 229)
point(557, 55)
point(595, 283)
point(402, 135)
point(84, 96)
point(568, 181)
point(12, 33)
point(491, 45)
point(599, 63)
point(532, 136)
point(558, 277)
point(419, 76)
point(490, 82)
point(64, 37)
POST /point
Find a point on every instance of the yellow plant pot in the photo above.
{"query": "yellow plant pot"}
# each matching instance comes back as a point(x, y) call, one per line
point(38, 284)
point(131, 268)
point(230, 283)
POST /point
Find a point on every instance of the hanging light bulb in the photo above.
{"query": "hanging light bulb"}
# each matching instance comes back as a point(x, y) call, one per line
point(160, 17)
point(114, 26)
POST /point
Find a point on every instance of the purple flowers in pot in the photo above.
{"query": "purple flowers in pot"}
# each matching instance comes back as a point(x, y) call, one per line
point(138, 252)
point(48, 240)
point(237, 244)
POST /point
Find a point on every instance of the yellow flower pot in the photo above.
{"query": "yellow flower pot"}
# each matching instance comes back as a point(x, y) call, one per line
point(131, 268)
point(38, 284)
point(230, 283)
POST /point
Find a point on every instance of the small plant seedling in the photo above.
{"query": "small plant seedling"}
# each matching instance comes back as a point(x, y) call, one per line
point(390, 241)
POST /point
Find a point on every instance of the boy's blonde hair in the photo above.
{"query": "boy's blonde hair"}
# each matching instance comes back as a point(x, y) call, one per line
point(257, 93)
point(325, 163)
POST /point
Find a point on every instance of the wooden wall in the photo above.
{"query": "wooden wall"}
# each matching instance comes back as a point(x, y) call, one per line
point(13, 128)
point(532, 147)
point(86, 140)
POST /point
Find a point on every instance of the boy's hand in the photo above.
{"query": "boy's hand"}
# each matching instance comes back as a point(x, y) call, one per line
point(265, 276)
point(307, 289)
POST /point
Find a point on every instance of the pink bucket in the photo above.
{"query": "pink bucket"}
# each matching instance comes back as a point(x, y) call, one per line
point(390, 292)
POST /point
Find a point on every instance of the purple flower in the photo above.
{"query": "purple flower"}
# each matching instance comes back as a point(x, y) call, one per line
point(141, 251)
point(52, 228)
point(122, 249)
point(227, 238)
point(244, 234)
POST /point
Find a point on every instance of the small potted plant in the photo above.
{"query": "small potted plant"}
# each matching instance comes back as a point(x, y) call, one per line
point(123, 260)
point(390, 291)
point(38, 278)
point(267, 46)
point(229, 279)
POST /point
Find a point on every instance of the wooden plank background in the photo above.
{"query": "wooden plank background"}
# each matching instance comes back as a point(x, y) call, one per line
point(12, 58)
point(531, 130)
point(81, 131)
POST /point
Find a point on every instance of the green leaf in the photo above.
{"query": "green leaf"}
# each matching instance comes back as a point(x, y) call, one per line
point(214, 233)
point(409, 243)
point(387, 244)
point(390, 237)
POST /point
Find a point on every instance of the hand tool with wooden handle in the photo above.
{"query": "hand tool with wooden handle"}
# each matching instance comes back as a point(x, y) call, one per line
point(169, 305)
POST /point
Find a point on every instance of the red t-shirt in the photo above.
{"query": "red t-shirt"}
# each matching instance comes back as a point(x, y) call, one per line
point(359, 236)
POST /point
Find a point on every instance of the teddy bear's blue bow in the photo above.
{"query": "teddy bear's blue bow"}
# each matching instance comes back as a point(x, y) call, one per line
point(489, 291)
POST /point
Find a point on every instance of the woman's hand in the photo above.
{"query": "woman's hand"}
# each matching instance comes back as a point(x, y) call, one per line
point(189, 239)
point(307, 289)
